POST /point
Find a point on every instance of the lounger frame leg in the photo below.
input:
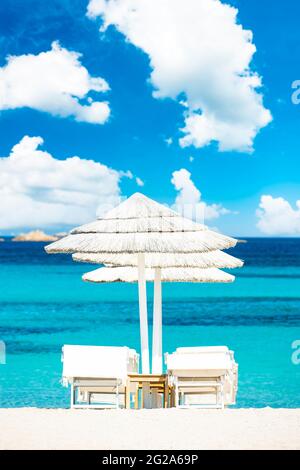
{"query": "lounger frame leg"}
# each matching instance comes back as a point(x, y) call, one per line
point(73, 392)
point(222, 395)
point(117, 396)
point(176, 395)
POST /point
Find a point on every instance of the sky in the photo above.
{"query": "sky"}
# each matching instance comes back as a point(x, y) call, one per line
point(188, 101)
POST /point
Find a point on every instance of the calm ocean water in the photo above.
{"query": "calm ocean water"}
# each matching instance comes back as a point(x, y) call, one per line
point(44, 304)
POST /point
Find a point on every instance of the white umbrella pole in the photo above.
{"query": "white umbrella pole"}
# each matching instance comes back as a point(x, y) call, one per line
point(157, 325)
point(143, 314)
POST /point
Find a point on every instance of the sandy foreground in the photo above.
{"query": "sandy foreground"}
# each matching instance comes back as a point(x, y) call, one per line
point(32, 428)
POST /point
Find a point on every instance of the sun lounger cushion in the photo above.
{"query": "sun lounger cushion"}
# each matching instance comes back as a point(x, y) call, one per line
point(96, 361)
point(210, 364)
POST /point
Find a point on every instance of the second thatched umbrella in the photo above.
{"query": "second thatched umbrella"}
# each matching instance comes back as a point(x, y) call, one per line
point(140, 226)
point(130, 274)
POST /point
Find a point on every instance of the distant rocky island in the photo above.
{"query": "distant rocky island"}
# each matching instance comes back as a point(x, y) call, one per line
point(35, 236)
point(2, 239)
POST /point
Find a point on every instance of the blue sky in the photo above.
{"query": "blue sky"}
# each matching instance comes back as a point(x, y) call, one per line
point(133, 138)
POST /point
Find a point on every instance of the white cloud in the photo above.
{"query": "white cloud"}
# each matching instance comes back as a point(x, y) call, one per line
point(169, 141)
point(139, 182)
point(55, 82)
point(198, 51)
point(39, 191)
point(277, 216)
point(188, 200)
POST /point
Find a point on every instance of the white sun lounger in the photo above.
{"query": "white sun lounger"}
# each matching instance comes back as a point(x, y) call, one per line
point(203, 377)
point(231, 378)
point(98, 374)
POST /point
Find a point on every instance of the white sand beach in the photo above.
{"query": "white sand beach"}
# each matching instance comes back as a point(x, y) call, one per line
point(32, 428)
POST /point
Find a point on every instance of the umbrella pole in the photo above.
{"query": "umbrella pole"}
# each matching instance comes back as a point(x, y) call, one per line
point(157, 325)
point(143, 314)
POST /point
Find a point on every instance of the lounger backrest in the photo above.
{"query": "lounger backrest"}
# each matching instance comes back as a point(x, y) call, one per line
point(202, 349)
point(206, 349)
point(95, 361)
point(211, 363)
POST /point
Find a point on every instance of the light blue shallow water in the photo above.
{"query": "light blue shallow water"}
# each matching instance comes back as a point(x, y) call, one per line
point(44, 304)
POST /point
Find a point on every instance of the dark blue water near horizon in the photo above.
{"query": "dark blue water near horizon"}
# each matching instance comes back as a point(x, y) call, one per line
point(45, 304)
point(254, 251)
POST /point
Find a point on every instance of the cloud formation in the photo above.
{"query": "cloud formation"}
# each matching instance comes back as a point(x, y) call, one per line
point(54, 82)
point(277, 216)
point(197, 50)
point(188, 200)
point(39, 191)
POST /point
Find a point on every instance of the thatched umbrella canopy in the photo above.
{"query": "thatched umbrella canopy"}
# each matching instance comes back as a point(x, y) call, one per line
point(210, 259)
point(130, 274)
point(140, 226)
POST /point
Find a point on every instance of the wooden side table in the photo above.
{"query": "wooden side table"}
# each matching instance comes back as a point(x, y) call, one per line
point(148, 383)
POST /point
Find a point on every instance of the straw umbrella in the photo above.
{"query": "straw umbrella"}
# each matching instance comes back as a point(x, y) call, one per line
point(140, 226)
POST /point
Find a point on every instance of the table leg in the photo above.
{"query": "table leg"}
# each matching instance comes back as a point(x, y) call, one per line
point(155, 398)
point(166, 394)
point(172, 397)
point(136, 399)
point(127, 394)
point(146, 395)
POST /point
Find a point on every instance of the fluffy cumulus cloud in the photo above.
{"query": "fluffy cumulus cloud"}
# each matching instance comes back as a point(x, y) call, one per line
point(188, 200)
point(277, 216)
point(55, 82)
point(39, 191)
point(199, 51)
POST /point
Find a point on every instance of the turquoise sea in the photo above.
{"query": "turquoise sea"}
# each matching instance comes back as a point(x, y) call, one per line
point(45, 304)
